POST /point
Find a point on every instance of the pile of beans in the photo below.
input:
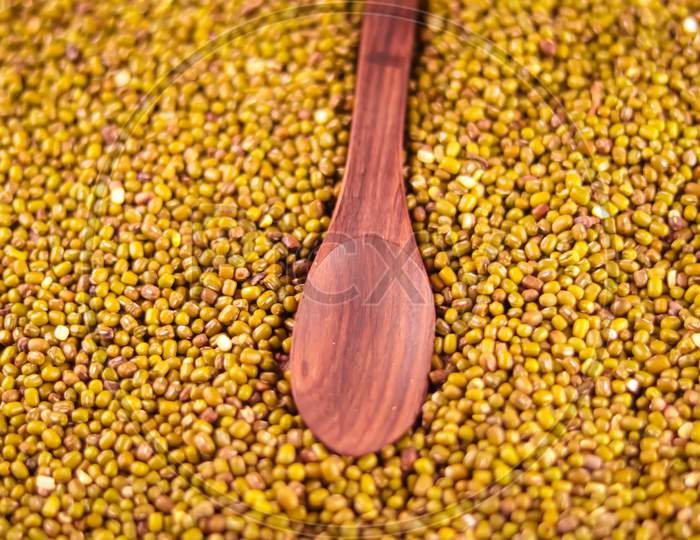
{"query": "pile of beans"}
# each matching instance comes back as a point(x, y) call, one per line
point(168, 170)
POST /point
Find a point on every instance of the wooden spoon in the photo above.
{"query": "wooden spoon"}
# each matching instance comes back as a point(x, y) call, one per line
point(364, 331)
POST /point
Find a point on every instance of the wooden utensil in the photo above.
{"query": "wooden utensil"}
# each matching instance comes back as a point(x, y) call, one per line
point(364, 331)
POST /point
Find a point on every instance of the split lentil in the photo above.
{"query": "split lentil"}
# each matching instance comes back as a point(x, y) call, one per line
point(154, 238)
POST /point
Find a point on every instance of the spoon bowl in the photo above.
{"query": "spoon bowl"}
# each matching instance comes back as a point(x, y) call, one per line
point(362, 376)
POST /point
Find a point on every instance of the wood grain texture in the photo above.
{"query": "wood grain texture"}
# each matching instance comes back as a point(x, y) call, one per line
point(364, 331)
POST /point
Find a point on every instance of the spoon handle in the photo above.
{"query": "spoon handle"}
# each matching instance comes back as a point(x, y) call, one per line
point(373, 179)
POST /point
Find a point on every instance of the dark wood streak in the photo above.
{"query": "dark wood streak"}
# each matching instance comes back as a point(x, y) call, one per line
point(359, 369)
point(385, 59)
